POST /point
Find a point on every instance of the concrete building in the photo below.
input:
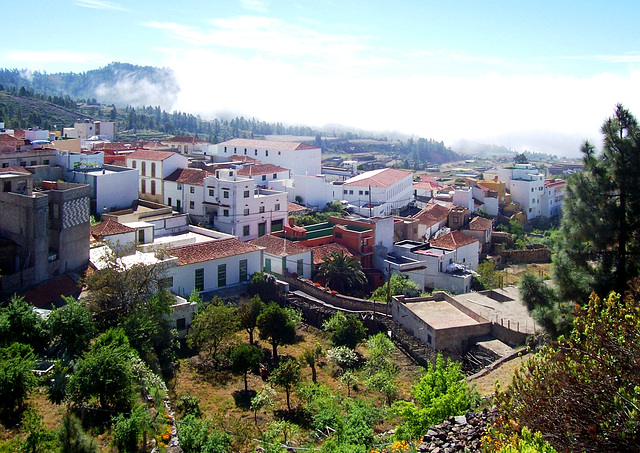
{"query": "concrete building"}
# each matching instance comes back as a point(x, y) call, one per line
point(301, 158)
point(264, 174)
point(379, 192)
point(431, 219)
point(46, 229)
point(105, 130)
point(280, 254)
point(481, 229)
point(153, 167)
point(186, 145)
point(553, 197)
point(234, 205)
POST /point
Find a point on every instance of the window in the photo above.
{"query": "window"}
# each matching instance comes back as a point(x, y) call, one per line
point(429, 339)
point(33, 162)
point(23, 164)
point(264, 177)
point(267, 264)
point(277, 207)
point(199, 277)
point(166, 282)
point(235, 150)
point(134, 164)
point(266, 152)
point(225, 194)
point(279, 153)
point(245, 230)
point(245, 151)
point(532, 189)
point(169, 201)
point(222, 275)
point(225, 212)
point(192, 205)
point(360, 192)
point(179, 186)
point(351, 192)
point(153, 187)
point(261, 210)
point(211, 192)
point(143, 187)
point(344, 191)
point(246, 194)
point(300, 267)
point(192, 189)
point(181, 323)
point(243, 270)
point(366, 192)
point(225, 149)
point(246, 211)
point(275, 175)
point(153, 169)
point(144, 169)
point(256, 152)
point(45, 162)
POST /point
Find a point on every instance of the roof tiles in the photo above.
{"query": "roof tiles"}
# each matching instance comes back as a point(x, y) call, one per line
point(207, 251)
point(453, 240)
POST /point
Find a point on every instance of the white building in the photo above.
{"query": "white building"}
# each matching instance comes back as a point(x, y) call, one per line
point(234, 205)
point(526, 186)
point(153, 167)
point(184, 191)
point(281, 254)
point(187, 145)
point(106, 130)
point(301, 158)
point(553, 198)
point(387, 190)
point(264, 174)
point(213, 265)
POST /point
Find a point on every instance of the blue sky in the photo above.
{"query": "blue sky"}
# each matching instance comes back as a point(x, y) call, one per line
point(535, 75)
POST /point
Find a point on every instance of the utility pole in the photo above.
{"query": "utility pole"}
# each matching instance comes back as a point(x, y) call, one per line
point(369, 201)
point(389, 285)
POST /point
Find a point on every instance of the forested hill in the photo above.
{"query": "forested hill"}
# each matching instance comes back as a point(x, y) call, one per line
point(53, 101)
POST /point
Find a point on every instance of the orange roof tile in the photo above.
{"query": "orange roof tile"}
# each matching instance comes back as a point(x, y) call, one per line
point(50, 293)
point(236, 158)
point(267, 144)
point(453, 240)
point(207, 251)
point(295, 207)
point(6, 139)
point(480, 223)
point(432, 214)
point(15, 170)
point(320, 252)
point(108, 228)
point(147, 154)
point(378, 178)
point(279, 246)
point(261, 169)
point(190, 176)
point(185, 139)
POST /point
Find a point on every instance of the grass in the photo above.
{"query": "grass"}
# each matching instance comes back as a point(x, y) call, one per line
point(486, 385)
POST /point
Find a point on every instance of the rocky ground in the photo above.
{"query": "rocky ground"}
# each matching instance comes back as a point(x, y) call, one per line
point(461, 433)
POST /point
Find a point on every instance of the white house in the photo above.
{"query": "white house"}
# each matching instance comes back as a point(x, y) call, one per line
point(526, 186)
point(467, 249)
point(187, 144)
point(280, 254)
point(106, 130)
point(301, 158)
point(431, 218)
point(115, 234)
point(263, 174)
point(184, 191)
point(553, 198)
point(234, 205)
point(379, 192)
point(481, 229)
point(212, 265)
point(154, 166)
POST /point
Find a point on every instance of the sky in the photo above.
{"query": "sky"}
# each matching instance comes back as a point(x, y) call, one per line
point(528, 75)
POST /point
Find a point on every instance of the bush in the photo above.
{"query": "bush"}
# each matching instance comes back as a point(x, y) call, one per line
point(345, 330)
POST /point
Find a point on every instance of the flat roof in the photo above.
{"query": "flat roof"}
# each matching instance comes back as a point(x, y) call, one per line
point(440, 314)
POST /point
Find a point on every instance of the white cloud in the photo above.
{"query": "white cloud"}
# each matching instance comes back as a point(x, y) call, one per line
point(254, 5)
point(59, 60)
point(100, 4)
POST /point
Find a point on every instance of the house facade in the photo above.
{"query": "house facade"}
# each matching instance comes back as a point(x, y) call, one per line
point(263, 174)
point(553, 198)
point(526, 186)
point(153, 167)
point(184, 192)
point(280, 254)
point(379, 192)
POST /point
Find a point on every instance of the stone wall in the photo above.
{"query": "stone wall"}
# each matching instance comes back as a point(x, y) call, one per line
point(534, 255)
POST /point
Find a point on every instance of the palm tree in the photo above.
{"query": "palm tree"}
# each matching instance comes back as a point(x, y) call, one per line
point(343, 273)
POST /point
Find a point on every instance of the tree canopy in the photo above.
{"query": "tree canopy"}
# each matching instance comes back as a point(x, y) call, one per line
point(276, 327)
point(343, 273)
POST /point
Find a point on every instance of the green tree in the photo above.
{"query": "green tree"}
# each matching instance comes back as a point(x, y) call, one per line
point(400, 285)
point(600, 224)
point(244, 358)
point(201, 436)
point(213, 329)
point(248, 313)
point(16, 378)
point(20, 324)
point(71, 328)
point(105, 372)
point(276, 327)
point(264, 285)
point(310, 357)
point(343, 273)
point(73, 439)
point(39, 439)
point(441, 392)
point(129, 430)
point(545, 306)
point(489, 277)
point(583, 392)
point(521, 159)
point(287, 376)
point(345, 330)
point(349, 379)
point(381, 371)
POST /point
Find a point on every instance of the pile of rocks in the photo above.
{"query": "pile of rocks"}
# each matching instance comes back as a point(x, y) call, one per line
point(458, 433)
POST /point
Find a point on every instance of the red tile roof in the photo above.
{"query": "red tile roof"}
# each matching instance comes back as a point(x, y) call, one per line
point(432, 214)
point(108, 228)
point(147, 154)
point(261, 169)
point(480, 223)
point(185, 139)
point(320, 252)
point(267, 144)
point(550, 183)
point(50, 293)
point(424, 185)
point(191, 176)
point(213, 250)
point(15, 170)
point(295, 207)
point(453, 240)
point(378, 178)
point(6, 139)
point(236, 158)
point(279, 246)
